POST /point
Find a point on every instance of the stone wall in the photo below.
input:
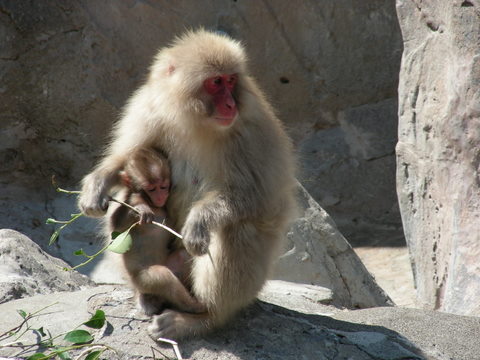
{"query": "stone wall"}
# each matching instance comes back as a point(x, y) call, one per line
point(438, 154)
point(330, 68)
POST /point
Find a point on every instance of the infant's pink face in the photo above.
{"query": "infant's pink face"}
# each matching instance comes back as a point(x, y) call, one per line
point(158, 192)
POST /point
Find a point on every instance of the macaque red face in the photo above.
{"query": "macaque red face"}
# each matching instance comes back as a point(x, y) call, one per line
point(221, 87)
point(158, 192)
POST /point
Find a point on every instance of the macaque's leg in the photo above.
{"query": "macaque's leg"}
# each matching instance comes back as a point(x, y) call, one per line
point(150, 304)
point(158, 280)
point(179, 263)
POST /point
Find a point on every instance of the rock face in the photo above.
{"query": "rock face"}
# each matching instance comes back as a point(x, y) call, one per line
point(350, 171)
point(438, 154)
point(303, 329)
point(318, 254)
point(330, 68)
point(26, 270)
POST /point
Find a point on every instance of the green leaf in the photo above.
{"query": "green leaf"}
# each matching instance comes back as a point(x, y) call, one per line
point(94, 355)
point(53, 238)
point(80, 253)
point(37, 356)
point(96, 321)
point(50, 221)
point(122, 243)
point(40, 330)
point(46, 343)
point(63, 354)
point(78, 337)
point(22, 313)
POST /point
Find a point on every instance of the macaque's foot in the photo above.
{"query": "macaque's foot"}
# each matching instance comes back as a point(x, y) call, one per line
point(175, 325)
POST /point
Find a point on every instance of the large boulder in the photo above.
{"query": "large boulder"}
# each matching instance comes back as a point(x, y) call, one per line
point(438, 153)
point(317, 253)
point(329, 68)
point(26, 270)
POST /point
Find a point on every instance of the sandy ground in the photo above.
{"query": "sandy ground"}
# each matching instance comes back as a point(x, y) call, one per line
point(391, 268)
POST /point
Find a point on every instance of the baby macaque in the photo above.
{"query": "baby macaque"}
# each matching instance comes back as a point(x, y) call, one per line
point(158, 272)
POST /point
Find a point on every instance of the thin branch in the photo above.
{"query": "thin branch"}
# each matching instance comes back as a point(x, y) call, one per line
point(16, 329)
point(76, 216)
point(59, 189)
point(174, 345)
point(168, 229)
point(158, 224)
point(153, 222)
point(90, 257)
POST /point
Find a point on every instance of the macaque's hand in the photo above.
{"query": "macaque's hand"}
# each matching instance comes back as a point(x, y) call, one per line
point(145, 213)
point(93, 200)
point(196, 234)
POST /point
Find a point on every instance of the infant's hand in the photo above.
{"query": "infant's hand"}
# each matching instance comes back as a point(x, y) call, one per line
point(145, 214)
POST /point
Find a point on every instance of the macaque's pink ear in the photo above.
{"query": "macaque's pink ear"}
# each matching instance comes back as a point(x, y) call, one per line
point(125, 179)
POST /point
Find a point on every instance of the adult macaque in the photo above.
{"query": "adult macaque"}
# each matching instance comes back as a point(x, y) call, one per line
point(232, 172)
point(155, 270)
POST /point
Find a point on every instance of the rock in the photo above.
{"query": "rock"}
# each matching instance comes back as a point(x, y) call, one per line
point(392, 271)
point(262, 331)
point(317, 253)
point(26, 270)
point(441, 336)
point(67, 71)
point(291, 295)
point(437, 154)
point(350, 171)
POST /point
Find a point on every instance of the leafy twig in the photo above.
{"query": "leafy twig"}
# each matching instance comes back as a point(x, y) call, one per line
point(79, 339)
point(153, 222)
point(26, 317)
point(89, 257)
point(112, 245)
point(158, 224)
point(65, 223)
point(58, 189)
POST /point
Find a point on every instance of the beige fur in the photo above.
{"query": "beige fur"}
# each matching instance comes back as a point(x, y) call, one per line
point(157, 271)
point(233, 187)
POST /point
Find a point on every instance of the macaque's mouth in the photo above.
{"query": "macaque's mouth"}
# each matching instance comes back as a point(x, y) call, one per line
point(225, 121)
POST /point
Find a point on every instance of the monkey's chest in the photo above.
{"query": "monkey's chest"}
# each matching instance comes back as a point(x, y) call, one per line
point(187, 187)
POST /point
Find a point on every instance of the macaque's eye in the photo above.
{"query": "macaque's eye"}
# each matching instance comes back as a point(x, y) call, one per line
point(232, 80)
point(216, 84)
point(151, 189)
point(213, 84)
